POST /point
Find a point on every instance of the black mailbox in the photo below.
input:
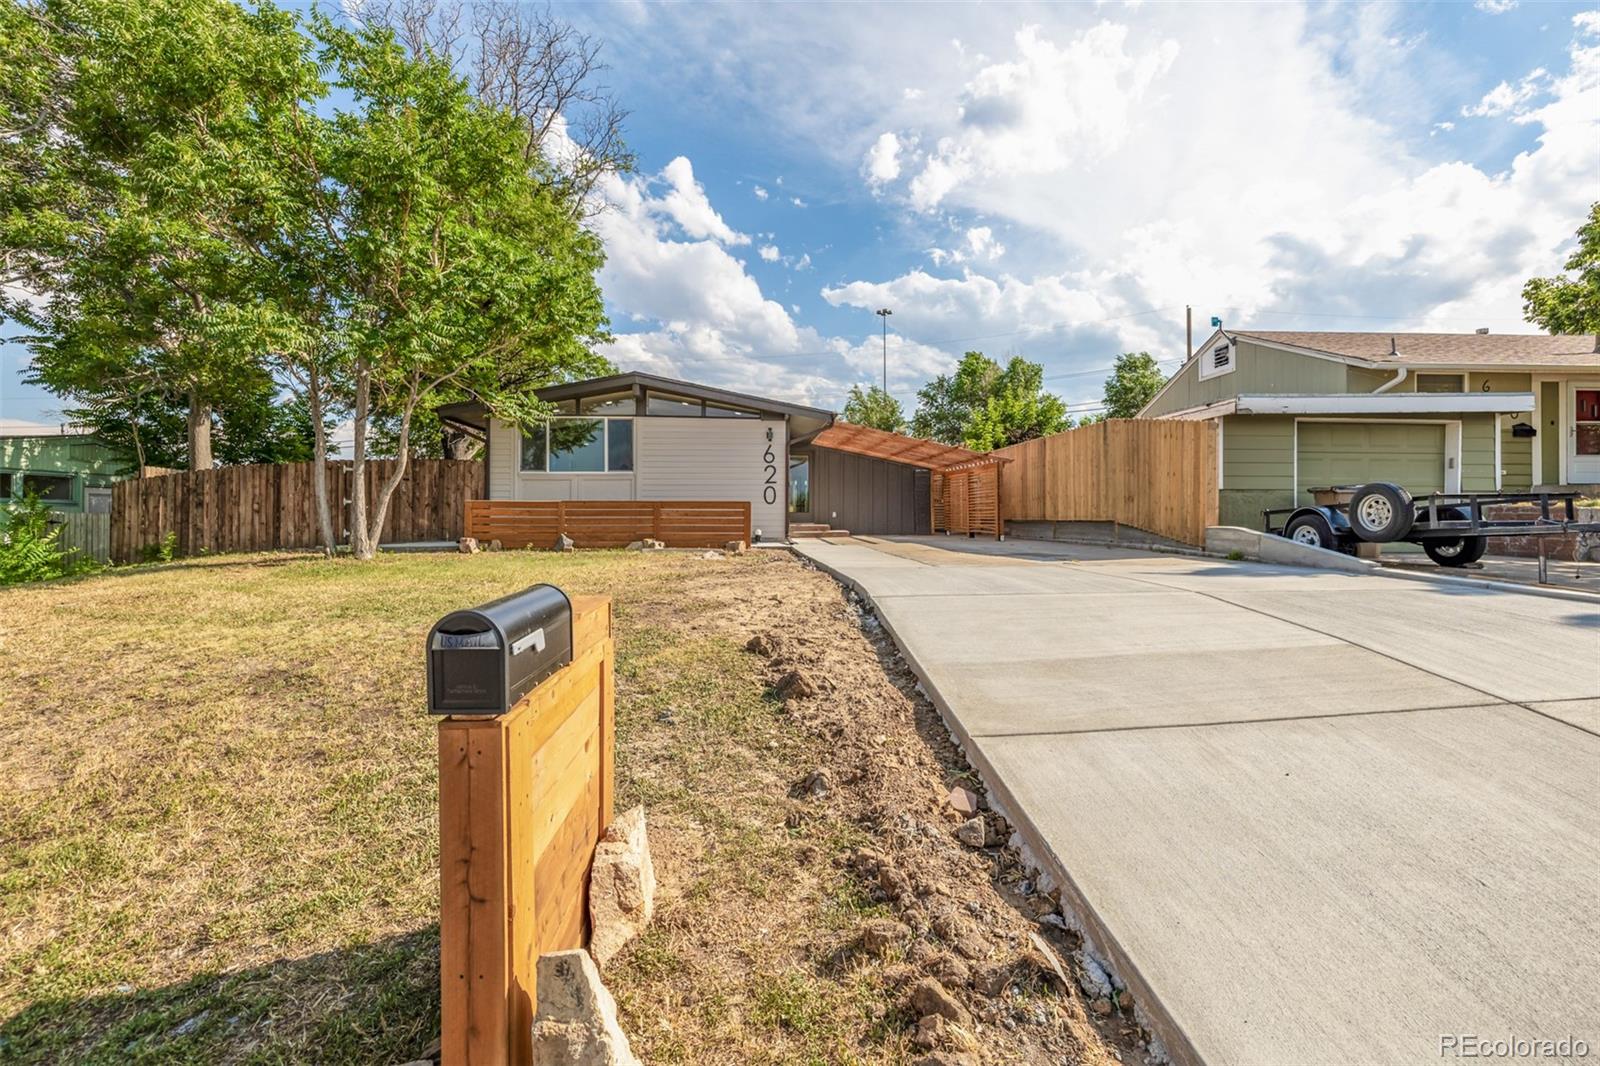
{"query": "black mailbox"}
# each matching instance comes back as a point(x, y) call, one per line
point(484, 660)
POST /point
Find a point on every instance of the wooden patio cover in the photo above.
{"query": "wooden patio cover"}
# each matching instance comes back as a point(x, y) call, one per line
point(898, 448)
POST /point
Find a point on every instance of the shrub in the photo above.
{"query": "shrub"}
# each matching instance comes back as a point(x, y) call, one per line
point(29, 548)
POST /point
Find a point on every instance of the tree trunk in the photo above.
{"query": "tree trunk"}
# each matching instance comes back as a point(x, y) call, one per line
point(403, 455)
point(199, 433)
point(319, 461)
point(362, 544)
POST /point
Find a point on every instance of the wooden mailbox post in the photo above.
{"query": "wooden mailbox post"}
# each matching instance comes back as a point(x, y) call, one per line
point(523, 799)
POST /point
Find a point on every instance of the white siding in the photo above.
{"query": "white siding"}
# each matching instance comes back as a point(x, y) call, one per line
point(574, 487)
point(674, 459)
point(715, 459)
point(505, 455)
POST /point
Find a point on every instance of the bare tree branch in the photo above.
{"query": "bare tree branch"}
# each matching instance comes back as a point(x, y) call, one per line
point(534, 65)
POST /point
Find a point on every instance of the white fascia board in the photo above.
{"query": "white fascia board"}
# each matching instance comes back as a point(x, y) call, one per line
point(1204, 411)
point(1389, 403)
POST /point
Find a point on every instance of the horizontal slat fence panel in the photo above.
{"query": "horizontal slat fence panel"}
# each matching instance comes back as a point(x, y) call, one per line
point(270, 506)
point(609, 523)
point(1158, 475)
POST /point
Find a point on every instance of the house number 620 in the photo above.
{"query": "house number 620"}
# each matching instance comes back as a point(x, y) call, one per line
point(769, 492)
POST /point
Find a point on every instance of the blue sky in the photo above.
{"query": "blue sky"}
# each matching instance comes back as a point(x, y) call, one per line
point(1058, 181)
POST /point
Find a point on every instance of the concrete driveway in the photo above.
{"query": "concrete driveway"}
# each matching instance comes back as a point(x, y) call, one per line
point(1309, 817)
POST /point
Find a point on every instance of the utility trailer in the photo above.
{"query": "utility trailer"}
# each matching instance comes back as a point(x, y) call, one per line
point(1450, 526)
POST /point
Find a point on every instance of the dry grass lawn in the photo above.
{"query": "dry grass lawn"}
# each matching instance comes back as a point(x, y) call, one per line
point(219, 819)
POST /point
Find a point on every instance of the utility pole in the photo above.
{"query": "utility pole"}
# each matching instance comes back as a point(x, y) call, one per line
point(884, 313)
point(1188, 332)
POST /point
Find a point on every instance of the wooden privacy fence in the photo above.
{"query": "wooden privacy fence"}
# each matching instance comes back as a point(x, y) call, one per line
point(523, 800)
point(83, 535)
point(265, 507)
point(609, 523)
point(1158, 475)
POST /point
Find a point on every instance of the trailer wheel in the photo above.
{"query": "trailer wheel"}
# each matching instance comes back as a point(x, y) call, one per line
point(1456, 552)
point(1312, 530)
point(1461, 550)
point(1381, 512)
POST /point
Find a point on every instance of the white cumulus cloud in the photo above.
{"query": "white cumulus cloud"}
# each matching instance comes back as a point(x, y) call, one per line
point(882, 163)
point(687, 205)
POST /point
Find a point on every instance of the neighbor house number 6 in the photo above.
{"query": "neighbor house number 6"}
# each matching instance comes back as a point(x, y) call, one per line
point(770, 492)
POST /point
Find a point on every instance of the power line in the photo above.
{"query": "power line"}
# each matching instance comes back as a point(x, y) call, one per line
point(1102, 370)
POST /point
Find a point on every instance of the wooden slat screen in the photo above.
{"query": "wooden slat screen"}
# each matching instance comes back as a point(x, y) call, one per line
point(266, 507)
point(609, 523)
point(967, 500)
point(1158, 475)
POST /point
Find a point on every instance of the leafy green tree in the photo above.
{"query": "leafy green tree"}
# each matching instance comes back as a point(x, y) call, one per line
point(874, 407)
point(1567, 304)
point(1017, 409)
point(452, 266)
point(1134, 381)
point(121, 266)
point(945, 404)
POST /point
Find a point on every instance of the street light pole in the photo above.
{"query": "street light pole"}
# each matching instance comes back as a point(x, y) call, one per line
point(884, 313)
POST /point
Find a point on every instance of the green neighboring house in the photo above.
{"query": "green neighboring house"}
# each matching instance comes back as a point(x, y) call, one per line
point(1451, 412)
point(69, 469)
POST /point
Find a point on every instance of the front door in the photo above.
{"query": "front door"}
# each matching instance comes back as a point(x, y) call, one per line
point(799, 487)
point(1583, 436)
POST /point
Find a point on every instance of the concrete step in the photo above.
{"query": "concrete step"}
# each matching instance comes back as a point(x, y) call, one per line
point(793, 526)
point(816, 534)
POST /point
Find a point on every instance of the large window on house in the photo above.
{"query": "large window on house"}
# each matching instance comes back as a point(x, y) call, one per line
point(615, 403)
point(52, 488)
point(660, 403)
point(579, 446)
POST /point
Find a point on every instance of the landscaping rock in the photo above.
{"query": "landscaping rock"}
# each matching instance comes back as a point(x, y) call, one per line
point(972, 832)
point(467, 545)
point(564, 543)
point(495, 545)
point(962, 801)
point(575, 1023)
point(735, 547)
point(881, 935)
point(1100, 1007)
point(928, 996)
point(622, 886)
point(646, 545)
